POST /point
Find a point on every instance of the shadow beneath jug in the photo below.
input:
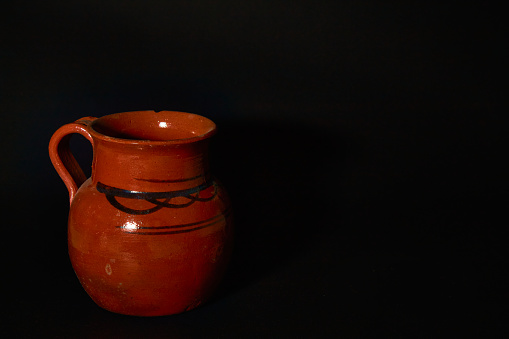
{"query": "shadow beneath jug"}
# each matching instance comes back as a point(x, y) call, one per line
point(279, 179)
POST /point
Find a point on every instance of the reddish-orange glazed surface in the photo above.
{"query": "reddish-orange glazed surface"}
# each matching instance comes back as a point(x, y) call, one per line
point(150, 232)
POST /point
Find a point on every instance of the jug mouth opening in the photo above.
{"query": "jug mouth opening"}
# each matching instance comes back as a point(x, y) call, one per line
point(150, 127)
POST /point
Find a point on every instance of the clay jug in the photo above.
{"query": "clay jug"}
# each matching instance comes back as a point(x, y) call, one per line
point(150, 232)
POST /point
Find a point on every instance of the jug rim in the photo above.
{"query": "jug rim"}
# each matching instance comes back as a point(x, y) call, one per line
point(135, 127)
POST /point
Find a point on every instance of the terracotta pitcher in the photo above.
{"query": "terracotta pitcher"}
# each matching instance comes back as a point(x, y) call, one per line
point(150, 232)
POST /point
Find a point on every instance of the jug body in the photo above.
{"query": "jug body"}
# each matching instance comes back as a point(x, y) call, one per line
point(150, 233)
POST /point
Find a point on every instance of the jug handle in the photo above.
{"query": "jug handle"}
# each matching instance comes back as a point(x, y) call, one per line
point(60, 154)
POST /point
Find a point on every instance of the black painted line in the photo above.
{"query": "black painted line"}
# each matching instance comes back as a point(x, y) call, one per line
point(178, 231)
point(118, 192)
point(169, 181)
point(113, 201)
point(225, 214)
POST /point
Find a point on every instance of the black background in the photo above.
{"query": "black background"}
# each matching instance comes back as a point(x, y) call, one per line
point(361, 144)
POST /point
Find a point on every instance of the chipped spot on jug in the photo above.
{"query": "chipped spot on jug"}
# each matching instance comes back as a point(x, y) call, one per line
point(193, 305)
point(218, 250)
point(108, 269)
